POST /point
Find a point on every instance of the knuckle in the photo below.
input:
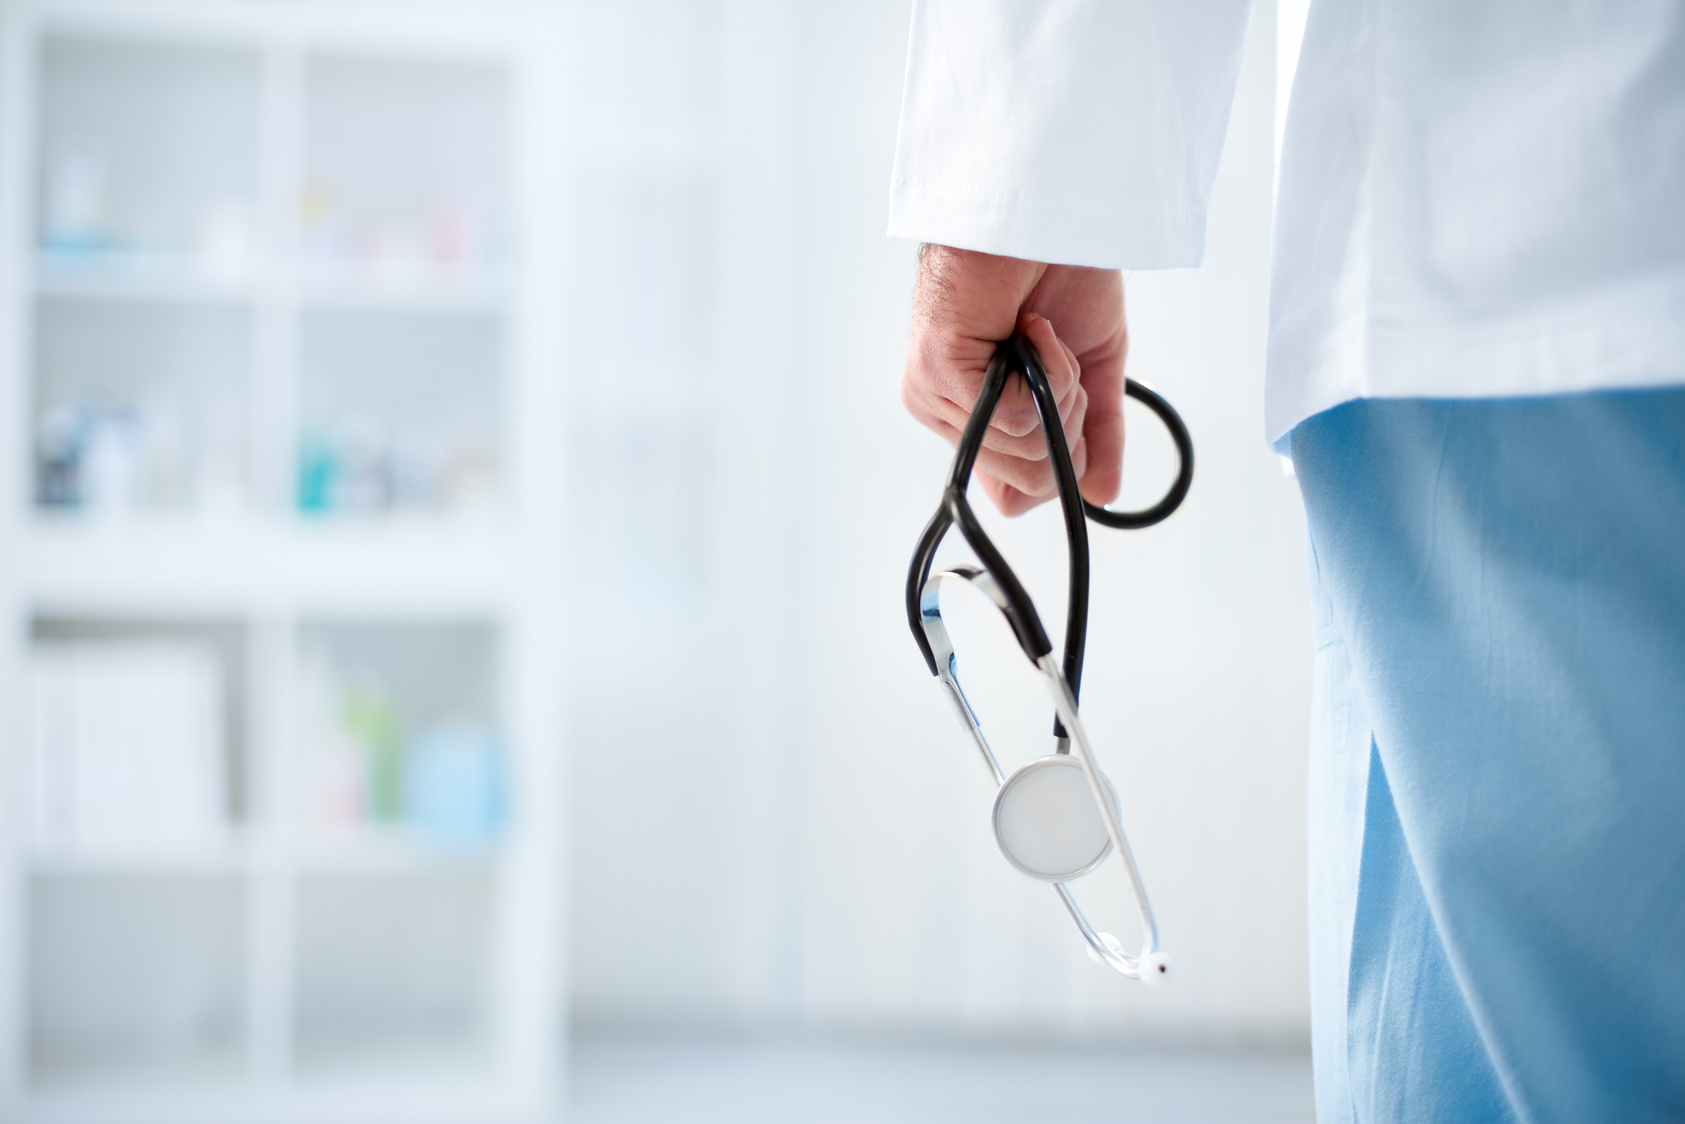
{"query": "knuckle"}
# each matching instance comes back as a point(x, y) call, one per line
point(1038, 480)
point(1015, 421)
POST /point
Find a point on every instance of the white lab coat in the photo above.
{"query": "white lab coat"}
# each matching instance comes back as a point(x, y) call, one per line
point(1476, 198)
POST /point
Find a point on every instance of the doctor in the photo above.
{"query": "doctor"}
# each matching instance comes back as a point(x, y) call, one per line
point(1477, 345)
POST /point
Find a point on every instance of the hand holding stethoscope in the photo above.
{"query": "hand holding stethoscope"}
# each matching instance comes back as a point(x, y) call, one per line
point(1056, 818)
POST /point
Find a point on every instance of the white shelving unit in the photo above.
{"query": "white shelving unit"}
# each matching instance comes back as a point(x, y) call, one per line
point(278, 472)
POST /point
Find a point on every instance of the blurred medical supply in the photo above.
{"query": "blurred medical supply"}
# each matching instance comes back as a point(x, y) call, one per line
point(75, 220)
point(155, 455)
point(440, 242)
point(453, 785)
point(375, 757)
point(356, 466)
point(78, 232)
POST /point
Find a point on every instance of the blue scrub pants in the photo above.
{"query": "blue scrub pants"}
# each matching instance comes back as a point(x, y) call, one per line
point(1497, 789)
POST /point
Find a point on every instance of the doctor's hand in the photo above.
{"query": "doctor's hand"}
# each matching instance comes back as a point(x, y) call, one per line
point(964, 303)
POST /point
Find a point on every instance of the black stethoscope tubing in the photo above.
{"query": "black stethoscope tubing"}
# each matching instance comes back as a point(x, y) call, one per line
point(1018, 356)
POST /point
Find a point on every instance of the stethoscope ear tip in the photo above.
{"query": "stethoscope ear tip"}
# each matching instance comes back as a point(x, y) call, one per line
point(1157, 969)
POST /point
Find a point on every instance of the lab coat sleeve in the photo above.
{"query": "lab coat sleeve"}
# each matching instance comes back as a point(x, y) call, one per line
point(1083, 132)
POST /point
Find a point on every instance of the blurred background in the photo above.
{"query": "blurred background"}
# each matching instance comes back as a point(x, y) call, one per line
point(453, 515)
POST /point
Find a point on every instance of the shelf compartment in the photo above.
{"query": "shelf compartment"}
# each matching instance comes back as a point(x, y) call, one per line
point(136, 748)
point(405, 169)
point(141, 406)
point(399, 411)
point(393, 972)
point(399, 748)
point(148, 151)
point(135, 979)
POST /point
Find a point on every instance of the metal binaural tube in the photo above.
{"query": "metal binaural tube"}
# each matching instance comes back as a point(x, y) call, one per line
point(1066, 705)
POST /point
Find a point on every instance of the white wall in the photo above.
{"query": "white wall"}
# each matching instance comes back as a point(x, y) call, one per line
point(776, 821)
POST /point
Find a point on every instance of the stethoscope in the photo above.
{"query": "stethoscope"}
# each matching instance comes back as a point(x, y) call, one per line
point(1057, 818)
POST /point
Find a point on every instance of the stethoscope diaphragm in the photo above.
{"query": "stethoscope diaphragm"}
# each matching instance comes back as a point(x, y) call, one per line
point(1045, 821)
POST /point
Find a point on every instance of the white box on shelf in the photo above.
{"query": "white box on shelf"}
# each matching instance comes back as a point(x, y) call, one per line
point(127, 746)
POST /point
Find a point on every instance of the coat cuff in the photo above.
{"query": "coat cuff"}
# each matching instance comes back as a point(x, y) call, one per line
point(1015, 224)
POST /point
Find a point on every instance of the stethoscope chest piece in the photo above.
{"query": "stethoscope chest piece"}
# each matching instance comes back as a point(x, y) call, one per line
point(1045, 821)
